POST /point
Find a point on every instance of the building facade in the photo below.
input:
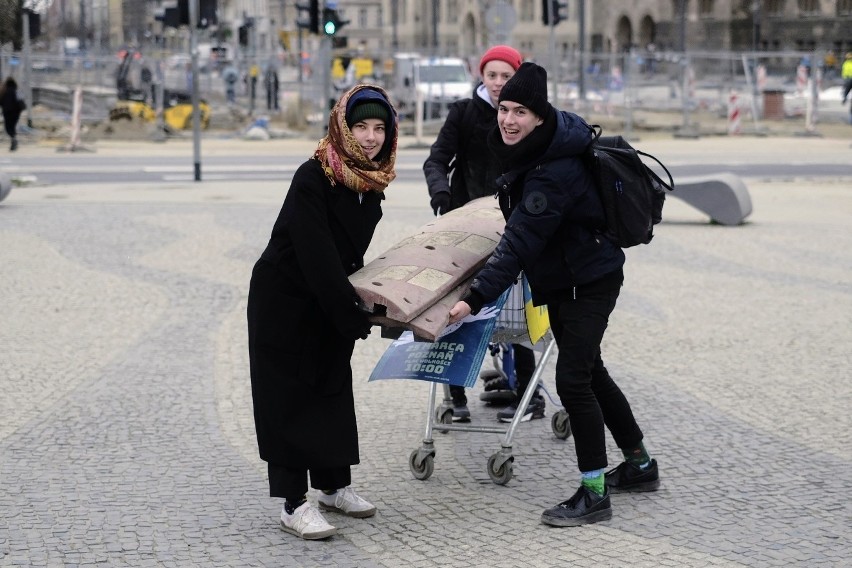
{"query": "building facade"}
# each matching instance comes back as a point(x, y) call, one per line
point(465, 28)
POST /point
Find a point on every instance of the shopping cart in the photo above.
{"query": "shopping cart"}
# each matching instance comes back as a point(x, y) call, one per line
point(511, 327)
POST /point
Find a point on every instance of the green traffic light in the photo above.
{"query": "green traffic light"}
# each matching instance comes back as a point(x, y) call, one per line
point(330, 27)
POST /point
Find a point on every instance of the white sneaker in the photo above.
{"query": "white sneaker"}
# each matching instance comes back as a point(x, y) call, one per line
point(306, 522)
point(348, 502)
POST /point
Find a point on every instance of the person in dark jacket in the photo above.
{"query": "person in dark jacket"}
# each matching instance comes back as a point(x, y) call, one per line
point(304, 316)
point(553, 233)
point(12, 108)
point(461, 148)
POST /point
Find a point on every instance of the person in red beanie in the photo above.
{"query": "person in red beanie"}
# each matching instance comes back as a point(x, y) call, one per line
point(460, 168)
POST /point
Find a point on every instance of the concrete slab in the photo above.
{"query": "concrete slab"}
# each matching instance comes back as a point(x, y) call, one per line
point(418, 272)
point(723, 196)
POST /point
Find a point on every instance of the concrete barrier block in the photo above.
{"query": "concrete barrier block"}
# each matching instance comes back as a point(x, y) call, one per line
point(414, 284)
point(723, 196)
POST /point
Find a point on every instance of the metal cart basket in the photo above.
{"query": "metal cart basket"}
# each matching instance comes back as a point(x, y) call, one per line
point(511, 327)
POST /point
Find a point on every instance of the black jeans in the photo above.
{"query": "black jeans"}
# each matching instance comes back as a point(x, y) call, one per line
point(292, 483)
point(588, 393)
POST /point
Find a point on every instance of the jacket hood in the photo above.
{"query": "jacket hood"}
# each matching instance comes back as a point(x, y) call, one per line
point(573, 135)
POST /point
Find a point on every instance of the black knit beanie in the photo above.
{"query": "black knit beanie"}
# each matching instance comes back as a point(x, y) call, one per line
point(528, 87)
point(367, 109)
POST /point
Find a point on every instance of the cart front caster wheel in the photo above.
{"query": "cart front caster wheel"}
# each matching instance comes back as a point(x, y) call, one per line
point(560, 425)
point(499, 475)
point(444, 417)
point(424, 469)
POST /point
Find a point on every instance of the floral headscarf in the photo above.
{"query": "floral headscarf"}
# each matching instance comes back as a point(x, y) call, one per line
point(342, 158)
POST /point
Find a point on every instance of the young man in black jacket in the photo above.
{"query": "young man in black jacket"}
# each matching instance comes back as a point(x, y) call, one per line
point(554, 220)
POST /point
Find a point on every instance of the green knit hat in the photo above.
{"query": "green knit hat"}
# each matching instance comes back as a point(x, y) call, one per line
point(367, 109)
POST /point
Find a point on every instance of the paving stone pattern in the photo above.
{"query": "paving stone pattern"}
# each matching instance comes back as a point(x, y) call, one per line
point(127, 437)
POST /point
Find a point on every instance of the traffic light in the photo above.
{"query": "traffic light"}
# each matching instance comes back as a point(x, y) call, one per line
point(170, 17)
point(331, 21)
point(207, 15)
point(310, 19)
point(243, 34)
point(559, 11)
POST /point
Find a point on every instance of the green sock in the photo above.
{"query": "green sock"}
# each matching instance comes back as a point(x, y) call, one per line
point(637, 456)
point(594, 480)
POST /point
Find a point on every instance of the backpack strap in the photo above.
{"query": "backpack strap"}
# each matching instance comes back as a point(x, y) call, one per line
point(597, 130)
point(669, 186)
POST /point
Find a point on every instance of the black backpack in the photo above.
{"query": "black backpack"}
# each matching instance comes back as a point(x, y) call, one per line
point(631, 193)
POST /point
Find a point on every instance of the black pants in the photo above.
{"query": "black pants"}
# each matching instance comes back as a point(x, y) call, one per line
point(588, 393)
point(524, 368)
point(10, 123)
point(292, 483)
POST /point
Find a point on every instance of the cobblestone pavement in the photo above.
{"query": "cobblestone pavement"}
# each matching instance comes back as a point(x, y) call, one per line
point(127, 437)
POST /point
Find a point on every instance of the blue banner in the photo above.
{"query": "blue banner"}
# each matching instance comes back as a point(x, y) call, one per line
point(455, 358)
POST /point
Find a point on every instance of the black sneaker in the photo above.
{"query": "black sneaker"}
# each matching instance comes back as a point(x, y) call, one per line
point(630, 478)
point(583, 508)
point(534, 410)
point(460, 412)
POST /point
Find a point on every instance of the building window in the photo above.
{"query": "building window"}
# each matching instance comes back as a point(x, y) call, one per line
point(677, 5)
point(363, 18)
point(808, 7)
point(453, 11)
point(705, 8)
point(775, 8)
point(844, 7)
point(527, 10)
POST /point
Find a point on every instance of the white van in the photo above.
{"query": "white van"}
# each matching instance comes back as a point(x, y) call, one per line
point(437, 80)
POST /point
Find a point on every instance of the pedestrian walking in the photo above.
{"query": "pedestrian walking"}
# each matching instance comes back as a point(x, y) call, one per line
point(270, 82)
point(12, 106)
point(554, 234)
point(460, 168)
point(304, 316)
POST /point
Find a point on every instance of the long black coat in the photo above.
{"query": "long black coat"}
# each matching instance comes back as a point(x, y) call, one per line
point(303, 322)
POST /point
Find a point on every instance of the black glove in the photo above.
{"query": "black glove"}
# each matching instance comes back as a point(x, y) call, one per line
point(440, 203)
point(362, 329)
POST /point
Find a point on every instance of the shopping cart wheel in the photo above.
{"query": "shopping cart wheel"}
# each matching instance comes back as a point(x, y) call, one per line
point(488, 374)
point(421, 466)
point(443, 416)
point(560, 425)
point(500, 474)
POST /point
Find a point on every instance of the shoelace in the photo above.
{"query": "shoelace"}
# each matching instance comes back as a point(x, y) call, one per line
point(348, 496)
point(310, 517)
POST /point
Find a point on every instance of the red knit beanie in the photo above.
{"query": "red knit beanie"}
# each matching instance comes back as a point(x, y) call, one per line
point(501, 53)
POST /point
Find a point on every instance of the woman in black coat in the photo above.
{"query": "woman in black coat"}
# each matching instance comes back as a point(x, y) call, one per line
point(12, 108)
point(304, 316)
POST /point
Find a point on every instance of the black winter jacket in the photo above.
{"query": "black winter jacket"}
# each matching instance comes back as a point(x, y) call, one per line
point(463, 137)
point(554, 221)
